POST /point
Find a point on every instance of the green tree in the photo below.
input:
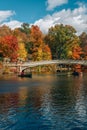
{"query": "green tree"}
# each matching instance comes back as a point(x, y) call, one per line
point(61, 40)
point(83, 39)
point(25, 28)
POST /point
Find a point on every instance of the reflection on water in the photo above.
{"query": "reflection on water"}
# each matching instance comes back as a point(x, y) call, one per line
point(45, 102)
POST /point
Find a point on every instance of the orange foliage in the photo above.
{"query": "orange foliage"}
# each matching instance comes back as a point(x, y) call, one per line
point(47, 53)
point(76, 52)
point(40, 51)
point(9, 46)
point(36, 38)
point(20, 35)
point(5, 30)
point(85, 52)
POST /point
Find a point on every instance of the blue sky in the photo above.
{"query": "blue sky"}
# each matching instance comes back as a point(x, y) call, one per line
point(44, 13)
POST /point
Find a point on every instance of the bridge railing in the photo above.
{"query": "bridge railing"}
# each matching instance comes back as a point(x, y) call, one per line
point(36, 63)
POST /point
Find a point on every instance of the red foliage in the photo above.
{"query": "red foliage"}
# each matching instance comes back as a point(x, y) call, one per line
point(9, 46)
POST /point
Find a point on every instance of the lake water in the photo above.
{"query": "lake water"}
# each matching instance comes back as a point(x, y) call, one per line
point(43, 102)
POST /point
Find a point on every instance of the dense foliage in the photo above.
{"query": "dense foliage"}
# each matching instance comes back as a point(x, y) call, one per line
point(29, 43)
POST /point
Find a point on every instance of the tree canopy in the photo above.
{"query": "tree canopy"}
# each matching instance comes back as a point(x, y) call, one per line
point(28, 42)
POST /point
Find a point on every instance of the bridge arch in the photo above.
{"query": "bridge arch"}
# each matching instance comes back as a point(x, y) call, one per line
point(37, 63)
point(27, 65)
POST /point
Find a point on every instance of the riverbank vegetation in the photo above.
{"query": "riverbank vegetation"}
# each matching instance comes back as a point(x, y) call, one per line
point(30, 44)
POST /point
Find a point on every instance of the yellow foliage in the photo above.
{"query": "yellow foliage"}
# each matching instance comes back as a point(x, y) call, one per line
point(22, 53)
point(39, 54)
point(69, 54)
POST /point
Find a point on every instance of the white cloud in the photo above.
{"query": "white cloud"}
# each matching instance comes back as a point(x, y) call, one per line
point(76, 18)
point(13, 24)
point(51, 4)
point(4, 15)
point(46, 23)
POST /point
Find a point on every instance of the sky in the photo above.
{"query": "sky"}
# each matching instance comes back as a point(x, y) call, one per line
point(44, 13)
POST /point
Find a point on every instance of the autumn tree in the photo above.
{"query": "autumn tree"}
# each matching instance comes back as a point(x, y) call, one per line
point(5, 30)
point(71, 45)
point(22, 53)
point(46, 53)
point(61, 40)
point(76, 52)
point(23, 33)
point(83, 39)
point(25, 29)
point(9, 47)
point(38, 45)
point(19, 35)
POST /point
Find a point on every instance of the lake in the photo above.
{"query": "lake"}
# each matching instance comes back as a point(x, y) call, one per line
point(43, 102)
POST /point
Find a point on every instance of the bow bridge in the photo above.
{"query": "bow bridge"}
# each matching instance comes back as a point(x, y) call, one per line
point(26, 65)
